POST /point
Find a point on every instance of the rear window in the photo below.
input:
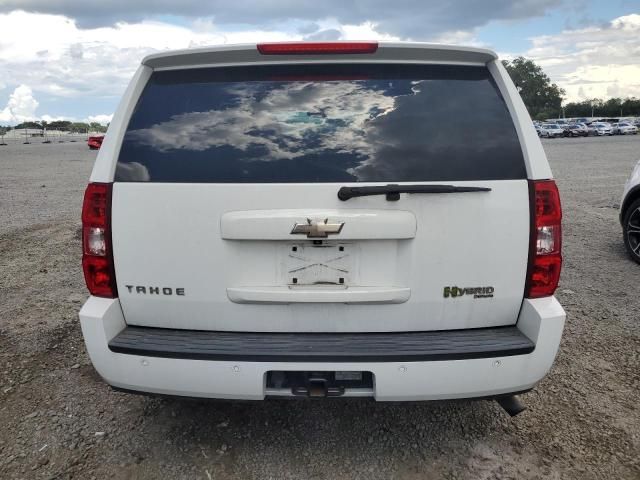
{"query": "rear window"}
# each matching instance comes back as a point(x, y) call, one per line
point(320, 123)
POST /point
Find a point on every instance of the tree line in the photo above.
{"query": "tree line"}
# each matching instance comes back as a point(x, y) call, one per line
point(62, 125)
point(544, 99)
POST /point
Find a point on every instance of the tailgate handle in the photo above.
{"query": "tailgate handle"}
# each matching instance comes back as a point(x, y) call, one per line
point(393, 191)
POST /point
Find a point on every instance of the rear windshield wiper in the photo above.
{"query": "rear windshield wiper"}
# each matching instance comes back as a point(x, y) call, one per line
point(393, 191)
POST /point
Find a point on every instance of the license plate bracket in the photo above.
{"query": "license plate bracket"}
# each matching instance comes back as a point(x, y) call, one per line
point(318, 263)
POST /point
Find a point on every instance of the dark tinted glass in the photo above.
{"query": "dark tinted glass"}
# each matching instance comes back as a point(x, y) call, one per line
point(321, 123)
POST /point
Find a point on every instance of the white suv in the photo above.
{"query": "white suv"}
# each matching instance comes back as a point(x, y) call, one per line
point(630, 214)
point(323, 219)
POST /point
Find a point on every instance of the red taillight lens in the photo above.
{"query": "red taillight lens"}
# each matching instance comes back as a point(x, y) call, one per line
point(98, 275)
point(97, 255)
point(94, 207)
point(547, 202)
point(545, 256)
point(317, 48)
point(544, 276)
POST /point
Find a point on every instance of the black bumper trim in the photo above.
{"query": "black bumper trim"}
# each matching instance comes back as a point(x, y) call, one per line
point(298, 399)
point(322, 347)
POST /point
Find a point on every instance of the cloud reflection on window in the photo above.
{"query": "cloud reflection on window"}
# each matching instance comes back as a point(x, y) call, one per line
point(292, 120)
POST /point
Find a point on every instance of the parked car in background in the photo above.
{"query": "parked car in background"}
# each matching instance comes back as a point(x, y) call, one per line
point(624, 128)
point(576, 130)
point(602, 128)
point(214, 273)
point(591, 129)
point(552, 130)
point(95, 142)
point(630, 214)
point(584, 128)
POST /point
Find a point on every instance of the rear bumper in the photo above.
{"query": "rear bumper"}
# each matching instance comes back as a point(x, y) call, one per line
point(322, 347)
point(396, 377)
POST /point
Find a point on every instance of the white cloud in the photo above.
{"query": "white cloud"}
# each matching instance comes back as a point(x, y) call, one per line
point(20, 107)
point(459, 37)
point(415, 19)
point(75, 62)
point(80, 65)
point(49, 118)
point(101, 119)
point(599, 61)
point(366, 31)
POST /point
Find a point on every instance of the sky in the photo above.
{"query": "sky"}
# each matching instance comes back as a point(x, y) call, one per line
point(72, 59)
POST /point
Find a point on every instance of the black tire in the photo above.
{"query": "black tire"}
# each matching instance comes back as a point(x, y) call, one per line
point(631, 229)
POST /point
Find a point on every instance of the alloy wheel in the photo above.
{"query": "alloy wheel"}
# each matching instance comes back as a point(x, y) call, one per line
point(633, 232)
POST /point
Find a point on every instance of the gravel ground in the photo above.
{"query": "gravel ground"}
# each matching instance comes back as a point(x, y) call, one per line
point(59, 420)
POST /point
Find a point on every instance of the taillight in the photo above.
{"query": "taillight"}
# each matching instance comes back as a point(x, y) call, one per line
point(317, 48)
point(545, 255)
point(97, 254)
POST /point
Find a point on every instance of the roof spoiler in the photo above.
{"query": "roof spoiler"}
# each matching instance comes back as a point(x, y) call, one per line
point(386, 52)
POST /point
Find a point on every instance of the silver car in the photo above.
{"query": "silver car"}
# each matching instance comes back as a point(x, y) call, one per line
point(552, 130)
point(602, 128)
point(624, 128)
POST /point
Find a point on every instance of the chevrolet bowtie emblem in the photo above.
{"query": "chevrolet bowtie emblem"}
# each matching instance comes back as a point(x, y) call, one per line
point(317, 229)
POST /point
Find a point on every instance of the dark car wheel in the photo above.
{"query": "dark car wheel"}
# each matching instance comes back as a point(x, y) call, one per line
point(631, 230)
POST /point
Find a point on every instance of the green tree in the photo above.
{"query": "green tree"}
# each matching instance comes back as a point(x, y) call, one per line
point(631, 107)
point(59, 125)
point(612, 108)
point(29, 125)
point(542, 98)
point(79, 127)
point(97, 127)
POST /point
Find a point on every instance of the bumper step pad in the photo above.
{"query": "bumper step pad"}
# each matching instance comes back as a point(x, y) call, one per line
point(322, 347)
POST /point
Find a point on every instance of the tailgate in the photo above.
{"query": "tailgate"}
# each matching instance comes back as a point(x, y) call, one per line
point(226, 213)
point(416, 266)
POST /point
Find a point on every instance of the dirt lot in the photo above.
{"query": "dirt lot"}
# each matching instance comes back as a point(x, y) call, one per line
point(59, 420)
